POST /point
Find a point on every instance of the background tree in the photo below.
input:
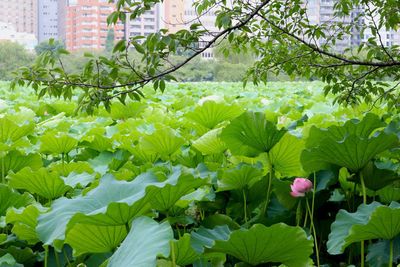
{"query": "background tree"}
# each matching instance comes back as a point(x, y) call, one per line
point(51, 45)
point(110, 40)
point(278, 32)
point(12, 57)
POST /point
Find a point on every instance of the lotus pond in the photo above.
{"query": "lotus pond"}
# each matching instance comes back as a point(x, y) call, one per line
point(206, 174)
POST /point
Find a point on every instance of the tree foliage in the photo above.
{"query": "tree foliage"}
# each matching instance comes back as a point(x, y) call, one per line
point(278, 33)
point(12, 57)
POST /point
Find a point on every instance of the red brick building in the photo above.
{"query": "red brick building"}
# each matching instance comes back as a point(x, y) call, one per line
point(86, 24)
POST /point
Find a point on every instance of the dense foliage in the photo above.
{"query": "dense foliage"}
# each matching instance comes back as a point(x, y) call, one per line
point(279, 34)
point(12, 57)
point(201, 175)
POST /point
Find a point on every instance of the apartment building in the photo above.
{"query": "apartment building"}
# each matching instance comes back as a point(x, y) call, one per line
point(86, 24)
point(21, 14)
point(180, 14)
point(9, 33)
point(146, 24)
point(47, 20)
point(173, 17)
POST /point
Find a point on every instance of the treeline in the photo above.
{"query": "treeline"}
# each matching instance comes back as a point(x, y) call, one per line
point(230, 68)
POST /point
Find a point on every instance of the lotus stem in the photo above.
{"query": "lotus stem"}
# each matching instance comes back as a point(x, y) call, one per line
point(57, 258)
point(3, 170)
point(364, 193)
point(173, 257)
point(244, 205)
point(391, 253)
point(46, 255)
point(312, 228)
point(264, 211)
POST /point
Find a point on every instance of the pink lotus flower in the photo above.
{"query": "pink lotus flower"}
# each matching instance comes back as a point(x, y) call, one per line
point(300, 187)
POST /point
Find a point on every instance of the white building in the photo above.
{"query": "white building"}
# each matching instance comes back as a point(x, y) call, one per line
point(9, 33)
point(47, 20)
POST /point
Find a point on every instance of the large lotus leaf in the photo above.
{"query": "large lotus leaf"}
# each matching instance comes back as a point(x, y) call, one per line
point(362, 129)
point(8, 260)
point(377, 175)
point(42, 182)
point(210, 143)
point(351, 152)
point(120, 111)
point(15, 161)
point(89, 238)
point(24, 221)
point(98, 142)
point(260, 244)
point(164, 141)
point(379, 253)
point(373, 221)
point(184, 252)
point(251, 134)
point(11, 131)
point(164, 198)
point(10, 198)
point(205, 238)
point(57, 143)
point(144, 243)
point(211, 113)
point(112, 203)
point(285, 156)
point(389, 193)
point(240, 177)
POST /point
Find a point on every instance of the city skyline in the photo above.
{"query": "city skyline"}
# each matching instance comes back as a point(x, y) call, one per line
point(82, 24)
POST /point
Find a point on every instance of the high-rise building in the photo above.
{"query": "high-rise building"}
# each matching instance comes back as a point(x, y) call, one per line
point(180, 14)
point(9, 33)
point(173, 15)
point(144, 25)
point(21, 14)
point(47, 20)
point(86, 24)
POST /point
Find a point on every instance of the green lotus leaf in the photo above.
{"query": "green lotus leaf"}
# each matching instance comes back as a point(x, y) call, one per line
point(9, 198)
point(8, 260)
point(352, 152)
point(11, 131)
point(24, 221)
point(97, 142)
point(285, 157)
point(240, 177)
point(251, 134)
point(205, 238)
point(261, 244)
point(379, 253)
point(377, 175)
point(15, 161)
point(164, 141)
point(89, 238)
point(211, 113)
point(42, 182)
point(210, 143)
point(362, 129)
point(120, 111)
point(66, 168)
point(57, 143)
point(372, 221)
point(352, 145)
point(143, 244)
point(184, 252)
point(81, 179)
point(164, 198)
point(111, 203)
point(389, 193)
